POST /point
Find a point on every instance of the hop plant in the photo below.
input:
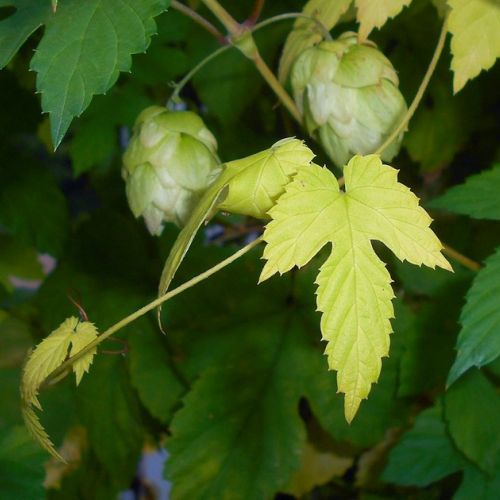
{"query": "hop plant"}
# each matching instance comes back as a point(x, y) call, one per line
point(169, 163)
point(348, 95)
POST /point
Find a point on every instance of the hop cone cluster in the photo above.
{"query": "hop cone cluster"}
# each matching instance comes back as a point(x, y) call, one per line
point(349, 97)
point(170, 161)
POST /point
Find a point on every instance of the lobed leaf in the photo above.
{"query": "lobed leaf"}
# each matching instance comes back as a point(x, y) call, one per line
point(475, 43)
point(15, 29)
point(354, 292)
point(85, 47)
point(375, 14)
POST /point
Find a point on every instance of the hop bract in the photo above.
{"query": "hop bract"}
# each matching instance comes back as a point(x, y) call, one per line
point(170, 161)
point(349, 97)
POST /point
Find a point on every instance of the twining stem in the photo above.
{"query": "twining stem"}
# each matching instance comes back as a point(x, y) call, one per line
point(256, 11)
point(278, 89)
point(420, 93)
point(149, 307)
point(232, 26)
point(236, 30)
point(179, 86)
point(462, 259)
point(197, 18)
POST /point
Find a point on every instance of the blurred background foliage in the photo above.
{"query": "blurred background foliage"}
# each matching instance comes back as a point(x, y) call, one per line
point(238, 391)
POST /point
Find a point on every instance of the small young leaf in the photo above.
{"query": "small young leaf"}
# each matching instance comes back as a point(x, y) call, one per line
point(475, 44)
point(375, 14)
point(425, 454)
point(50, 353)
point(256, 182)
point(471, 408)
point(85, 47)
point(479, 341)
point(83, 334)
point(16, 29)
point(37, 431)
point(354, 291)
point(306, 32)
point(477, 197)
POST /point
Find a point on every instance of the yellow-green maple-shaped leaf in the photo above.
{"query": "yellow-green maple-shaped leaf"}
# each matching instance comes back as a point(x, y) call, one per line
point(69, 338)
point(307, 33)
point(354, 288)
point(255, 182)
point(83, 334)
point(374, 14)
point(475, 43)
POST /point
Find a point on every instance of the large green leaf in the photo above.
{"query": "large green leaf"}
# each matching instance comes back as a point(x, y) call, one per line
point(240, 428)
point(471, 408)
point(478, 485)
point(425, 454)
point(152, 371)
point(85, 47)
point(32, 207)
point(477, 197)
point(21, 465)
point(354, 288)
point(479, 340)
point(15, 29)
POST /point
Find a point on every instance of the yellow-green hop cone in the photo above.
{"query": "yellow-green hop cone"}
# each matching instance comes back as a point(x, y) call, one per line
point(349, 97)
point(169, 163)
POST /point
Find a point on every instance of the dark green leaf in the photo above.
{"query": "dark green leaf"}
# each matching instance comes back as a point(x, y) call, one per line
point(240, 428)
point(425, 454)
point(477, 197)
point(33, 208)
point(15, 30)
point(85, 47)
point(477, 485)
point(479, 340)
point(21, 465)
point(153, 372)
point(471, 408)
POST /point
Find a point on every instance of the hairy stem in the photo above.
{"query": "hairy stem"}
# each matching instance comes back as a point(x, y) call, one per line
point(232, 26)
point(462, 259)
point(236, 30)
point(420, 93)
point(149, 307)
point(256, 11)
point(199, 19)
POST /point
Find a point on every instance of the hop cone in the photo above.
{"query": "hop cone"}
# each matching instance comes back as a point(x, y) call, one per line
point(349, 97)
point(170, 161)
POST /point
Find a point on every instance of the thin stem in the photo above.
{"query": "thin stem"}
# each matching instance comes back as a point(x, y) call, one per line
point(421, 90)
point(149, 307)
point(179, 86)
point(294, 15)
point(256, 12)
point(465, 261)
point(232, 26)
point(236, 30)
point(278, 89)
point(199, 19)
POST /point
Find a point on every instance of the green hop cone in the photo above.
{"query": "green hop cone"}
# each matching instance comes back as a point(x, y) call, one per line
point(348, 95)
point(169, 163)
